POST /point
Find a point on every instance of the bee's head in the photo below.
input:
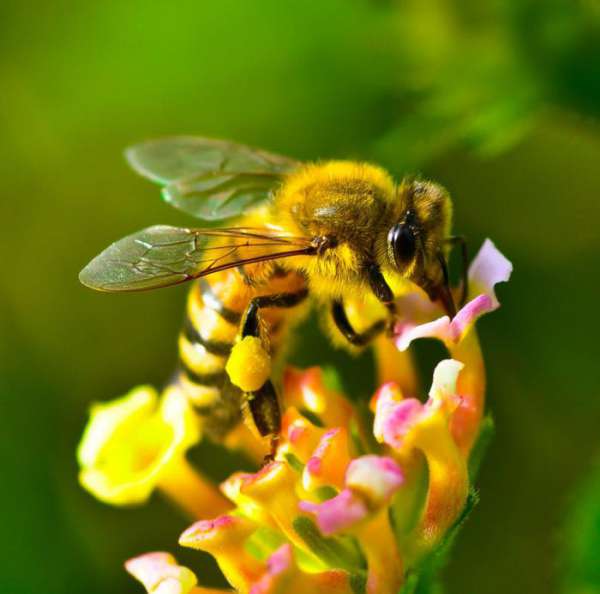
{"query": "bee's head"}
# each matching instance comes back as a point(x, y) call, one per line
point(420, 222)
point(416, 235)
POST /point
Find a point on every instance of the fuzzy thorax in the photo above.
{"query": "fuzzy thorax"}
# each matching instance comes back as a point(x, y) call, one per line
point(356, 205)
point(339, 199)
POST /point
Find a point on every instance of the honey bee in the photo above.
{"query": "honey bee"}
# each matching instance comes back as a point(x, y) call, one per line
point(326, 233)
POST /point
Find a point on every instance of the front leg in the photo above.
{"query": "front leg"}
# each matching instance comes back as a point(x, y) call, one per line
point(379, 285)
point(384, 293)
point(249, 366)
point(359, 339)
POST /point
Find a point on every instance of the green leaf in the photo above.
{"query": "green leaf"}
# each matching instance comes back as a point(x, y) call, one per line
point(332, 380)
point(263, 542)
point(294, 462)
point(339, 552)
point(581, 539)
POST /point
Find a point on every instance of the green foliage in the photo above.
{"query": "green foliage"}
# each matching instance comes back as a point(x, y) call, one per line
point(264, 542)
point(478, 81)
point(293, 461)
point(581, 539)
point(341, 552)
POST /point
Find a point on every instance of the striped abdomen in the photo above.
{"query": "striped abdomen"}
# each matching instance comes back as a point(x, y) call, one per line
point(215, 309)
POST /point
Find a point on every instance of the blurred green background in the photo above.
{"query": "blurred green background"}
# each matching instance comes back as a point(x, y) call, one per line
point(499, 101)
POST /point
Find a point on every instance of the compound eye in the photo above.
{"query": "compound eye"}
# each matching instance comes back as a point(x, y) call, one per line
point(402, 244)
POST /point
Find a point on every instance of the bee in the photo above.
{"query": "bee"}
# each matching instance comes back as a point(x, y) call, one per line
point(328, 233)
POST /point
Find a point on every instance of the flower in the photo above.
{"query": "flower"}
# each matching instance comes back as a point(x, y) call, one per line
point(160, 574)
point(421, 319)
point(406, 425)
point(420, 315)
point(321, 511)
point(370, 483)
point(355, 501)
point(137, 443)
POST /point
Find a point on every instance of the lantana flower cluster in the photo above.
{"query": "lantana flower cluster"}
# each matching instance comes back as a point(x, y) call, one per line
point(357, 497)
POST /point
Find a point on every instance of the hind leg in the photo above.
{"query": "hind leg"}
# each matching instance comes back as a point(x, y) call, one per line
point(264, 409)
point(249, 366)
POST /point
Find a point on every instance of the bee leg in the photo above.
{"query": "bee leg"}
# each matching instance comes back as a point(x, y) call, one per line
point(251, 321)
point(266, 414)
point(379, 286)
point(263, 403)
point(338, 313)
point(384, 293)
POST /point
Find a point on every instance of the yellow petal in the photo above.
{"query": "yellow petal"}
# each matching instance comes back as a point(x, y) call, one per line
point(225, 538)
point(130, 444)
point(107, 419)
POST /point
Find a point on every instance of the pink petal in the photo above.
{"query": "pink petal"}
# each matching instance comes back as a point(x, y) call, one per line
point(338, 513)
point(315, 463)
point(385, 400)
point(488, 269)
point(160, 574)
point(393, 420)
point(279, 562)
point(406, 332)
point(469, 314)
point(375, 477)
point(204, 532)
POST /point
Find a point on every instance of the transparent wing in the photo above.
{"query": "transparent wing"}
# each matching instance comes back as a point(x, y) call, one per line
point(161, 256)
point(208, 178)
point(177, 158)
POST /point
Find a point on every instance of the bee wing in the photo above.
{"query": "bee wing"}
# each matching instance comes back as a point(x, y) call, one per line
point(208, 178)
point(162, 256)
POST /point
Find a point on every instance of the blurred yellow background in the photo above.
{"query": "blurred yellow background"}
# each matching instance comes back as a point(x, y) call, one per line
point(496, 100)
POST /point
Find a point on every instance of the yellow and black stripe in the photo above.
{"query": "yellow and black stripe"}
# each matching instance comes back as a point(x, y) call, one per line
point(220, 308)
